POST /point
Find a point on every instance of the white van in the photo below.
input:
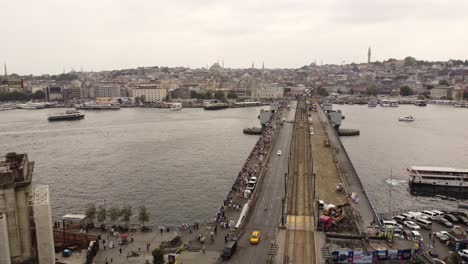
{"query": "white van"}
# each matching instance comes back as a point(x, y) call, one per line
point(424, 223)
point(408, 216)
point(250, 185)
point(432, 215)
point(439, 213)
point(391, 223)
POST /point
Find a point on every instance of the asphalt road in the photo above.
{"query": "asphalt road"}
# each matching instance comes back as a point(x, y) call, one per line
point(270, 193)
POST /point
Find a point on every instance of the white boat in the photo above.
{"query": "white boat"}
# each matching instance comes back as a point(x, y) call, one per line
point(452, 182)
point(176, 106)
point(97, 106)
point(31, 105)
point(372, 103)
point(406, 118)
point(393, 103)
point(384, 103)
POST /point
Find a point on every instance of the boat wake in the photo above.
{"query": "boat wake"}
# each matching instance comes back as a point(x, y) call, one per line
point(395, 182)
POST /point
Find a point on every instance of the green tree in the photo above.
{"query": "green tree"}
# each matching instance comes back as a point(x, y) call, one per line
point(114, 213)
point(158, 256)
point(406, 91)
point(137, 100)
point(351, 91)
point(453, 258)
point(126, 213)
point(443, 82)
point(410, 61)
point(339, 91)
point(143, 98)
point(143, 215)
point(322, 91)
point(372, 90)
point(219, 95)
point(465, 94)
point(207, 95)
point(38, 95)
point(232, 95)
point(90, 212)
point(101, 214)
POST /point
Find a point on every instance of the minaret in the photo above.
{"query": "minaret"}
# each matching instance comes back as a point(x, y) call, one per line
point(369, 55)
point(263, 65)
point(6, 73)
point(253, 66)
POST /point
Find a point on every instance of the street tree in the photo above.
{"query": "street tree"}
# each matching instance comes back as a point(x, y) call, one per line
point(90, 212)
point(101, 214)
point(406, 91)
point(322, 91)
point(219, 95)
point(126, 213)
point(453, 258)
point(443, 82)
point(372, 90)
point(143, 215)
point(114, 213)
point(232, 95)
point(38, 95)
point(158, 256)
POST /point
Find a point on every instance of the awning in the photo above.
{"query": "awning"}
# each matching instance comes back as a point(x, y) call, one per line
point(76, 217)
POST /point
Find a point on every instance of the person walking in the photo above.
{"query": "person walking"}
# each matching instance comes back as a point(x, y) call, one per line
point(120, 251)
point(203, 249)
point(131, 238)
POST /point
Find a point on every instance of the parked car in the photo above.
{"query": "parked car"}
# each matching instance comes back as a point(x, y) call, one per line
point(463, 253)
point(451, 218)
point(411, 225)
point(399, 218)
point(445, 222)
point(279, 153)
point(442, 236)
point(391, 223)
point(462, 219)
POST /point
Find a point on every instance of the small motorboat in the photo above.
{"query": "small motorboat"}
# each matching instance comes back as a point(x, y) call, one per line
point(406, 118)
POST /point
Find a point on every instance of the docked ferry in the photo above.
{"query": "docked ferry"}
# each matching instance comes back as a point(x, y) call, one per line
point(426, 180)
point(97, 106)
point(215, 106)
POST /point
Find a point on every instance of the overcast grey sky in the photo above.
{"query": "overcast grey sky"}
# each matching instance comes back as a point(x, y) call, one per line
point(44, 36)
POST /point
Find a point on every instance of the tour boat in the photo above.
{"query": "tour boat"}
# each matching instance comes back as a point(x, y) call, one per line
point(31, 105)
point(384, 103)
point(176, 106)
point(393, 103)
point(98, 106)
point(427, 180)
point(406, 118)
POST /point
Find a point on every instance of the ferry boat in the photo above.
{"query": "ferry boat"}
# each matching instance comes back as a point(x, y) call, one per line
point(420, 103)
point(31, 105)
point(176, 106)
point(68, 115)
point(384, 103)
point(215, 106)
point(428, 180)
point(372, 103)
point(95, 106)
point(393, 103)
point(406, 118)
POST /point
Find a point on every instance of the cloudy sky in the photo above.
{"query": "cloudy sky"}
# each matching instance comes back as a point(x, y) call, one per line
point(46, 36)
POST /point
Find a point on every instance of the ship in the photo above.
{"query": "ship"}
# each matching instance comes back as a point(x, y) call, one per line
point(215, 105)
point(420, 103)
point(68, 115)
point(175, 106)
point(372, 103)
point(31, 105)
point(430, 181)
point(95, 106)
point(384, 103)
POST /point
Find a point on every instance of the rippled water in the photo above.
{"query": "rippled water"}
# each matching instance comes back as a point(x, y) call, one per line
point(180, 164)
point(386, 147)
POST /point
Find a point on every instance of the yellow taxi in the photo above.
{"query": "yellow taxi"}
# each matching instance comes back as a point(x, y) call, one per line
point(255, 238)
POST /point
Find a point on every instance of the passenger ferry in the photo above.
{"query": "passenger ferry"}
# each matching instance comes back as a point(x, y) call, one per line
point(384, 103)
point(427, 180)
point(97, 106)
point(372, 103)
point(176, 106)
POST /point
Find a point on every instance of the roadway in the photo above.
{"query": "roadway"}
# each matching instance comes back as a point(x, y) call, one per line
point(300, 242)
point(270, 193)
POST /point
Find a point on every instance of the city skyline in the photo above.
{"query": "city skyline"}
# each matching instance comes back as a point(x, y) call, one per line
point(46, 37)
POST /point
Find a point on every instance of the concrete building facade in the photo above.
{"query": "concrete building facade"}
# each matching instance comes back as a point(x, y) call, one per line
point(43, 223)
point(106, 91)
point(441, 92)
point(151, 94)
point(15, 189)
